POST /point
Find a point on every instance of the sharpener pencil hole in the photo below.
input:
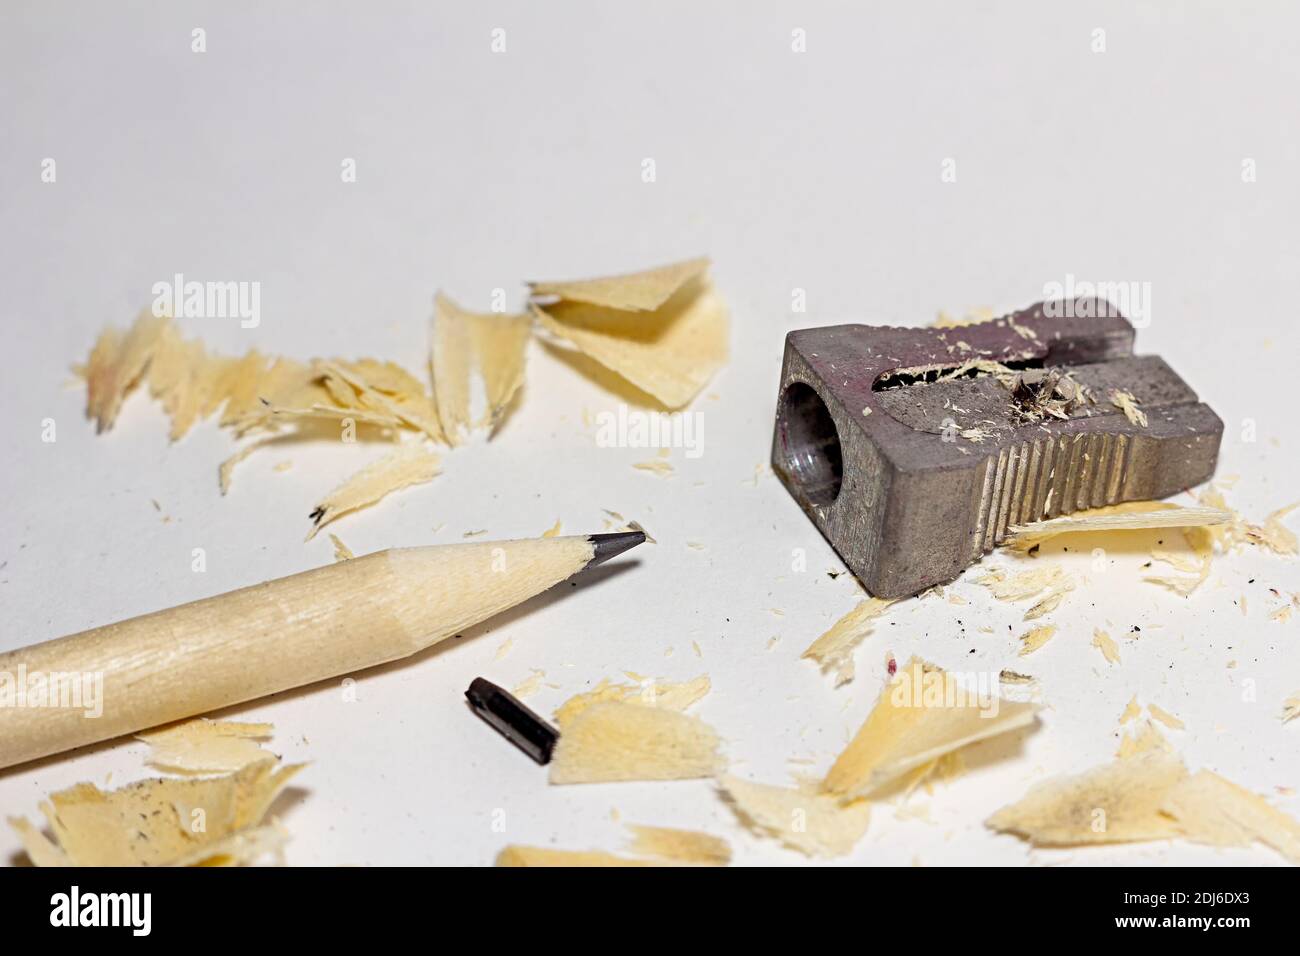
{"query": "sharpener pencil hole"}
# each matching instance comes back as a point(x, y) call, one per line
point(810, 443)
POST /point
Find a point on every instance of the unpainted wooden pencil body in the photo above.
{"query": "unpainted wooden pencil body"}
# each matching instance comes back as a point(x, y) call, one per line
point(260, 640)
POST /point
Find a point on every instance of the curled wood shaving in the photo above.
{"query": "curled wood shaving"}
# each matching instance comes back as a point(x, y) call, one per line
point(664, 331)
point(226, 471)
point(408, 465)
point(470, 350)
point(921, 715)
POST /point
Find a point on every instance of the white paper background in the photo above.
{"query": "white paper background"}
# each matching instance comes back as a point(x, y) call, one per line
point(817, 171)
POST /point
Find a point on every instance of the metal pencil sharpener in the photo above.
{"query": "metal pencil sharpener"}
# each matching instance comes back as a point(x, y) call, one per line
point(915, 450)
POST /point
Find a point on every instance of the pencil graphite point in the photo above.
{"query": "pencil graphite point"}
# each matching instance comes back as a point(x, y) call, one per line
point(606, 546)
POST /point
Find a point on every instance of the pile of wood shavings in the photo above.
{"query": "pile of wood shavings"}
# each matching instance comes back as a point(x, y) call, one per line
point(664, 331)
point(213, 814)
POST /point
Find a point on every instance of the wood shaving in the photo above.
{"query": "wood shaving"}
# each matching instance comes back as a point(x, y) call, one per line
point(279, 397)
point(1115, 803)
point(1273, 534)
point(162, 822)
point(644, 291)
point(478, 363)
point(1147, 796)
point(669, 350)
point(659, 466)
point(614, 740)
point(529, 685)
point(1014, 677)
point(1182, 586)
point(650, 693)
point(341, 551)
point(553, 530)
point(1129, 516)
point(1166, 718)
point(408, 465)
point(1036, 637)
point(1024, 584)
point(1291, 708)
point(226, 470)
point(1227, 536)
point(1127, 404)
point(205, 746)
point(1106, 644)
point(833, 650)
point(515, 855)
point(385, 393)
point(1209, 809)
point(679, 846)
point(922, 714)
point(1133, 710)
point(116, 365)
point(815, 824)
point(1145, 738)
point(1051, 601)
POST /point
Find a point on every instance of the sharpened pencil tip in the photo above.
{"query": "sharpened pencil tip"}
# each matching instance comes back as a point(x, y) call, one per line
point(606, 546)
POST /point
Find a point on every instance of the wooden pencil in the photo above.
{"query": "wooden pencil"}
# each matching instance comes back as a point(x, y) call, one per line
point(271, 637)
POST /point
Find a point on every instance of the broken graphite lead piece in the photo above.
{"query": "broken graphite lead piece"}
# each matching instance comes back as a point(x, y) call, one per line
point(519, 725)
